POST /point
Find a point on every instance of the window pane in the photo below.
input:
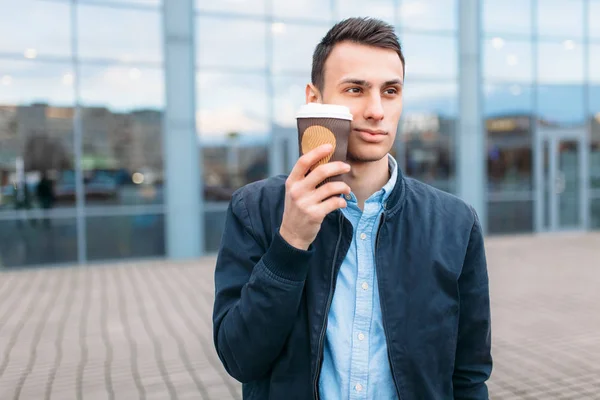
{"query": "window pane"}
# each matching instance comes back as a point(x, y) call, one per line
point(131, 236)
point(289, 94)
point(231, 165)
point(429, 56)
point(303, 39)
point(30, 240)
point(381, 9)
point(560, 62)
point(560, 18)
point(594, 63)
point(510, 216)
point(234, 103)
point(36, 134)
point(214, 221)
point(310, 9)
point(131, 35)
point(507, 60)
point(220, 44)
point(593, 18)
point(233, 126)
point(131, 2)
point(256, 7)
point(47, 39)
point(427, 128)
point(561, 104)
point(594, 102)
point(436, 15)
point(499, 16)
point(508, 111)
point(595, 213)
point(122, 135)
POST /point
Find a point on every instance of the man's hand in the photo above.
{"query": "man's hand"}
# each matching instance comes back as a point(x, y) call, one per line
point(306, 205)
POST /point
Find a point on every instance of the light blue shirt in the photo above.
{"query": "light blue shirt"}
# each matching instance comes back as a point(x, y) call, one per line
point(355, 359)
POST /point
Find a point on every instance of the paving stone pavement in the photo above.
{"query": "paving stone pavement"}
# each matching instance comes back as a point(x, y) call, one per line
point(143, 330)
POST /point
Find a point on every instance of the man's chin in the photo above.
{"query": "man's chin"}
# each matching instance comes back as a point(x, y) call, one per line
point(364, 157)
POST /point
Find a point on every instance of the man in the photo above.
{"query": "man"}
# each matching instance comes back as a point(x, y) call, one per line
point(371, 288)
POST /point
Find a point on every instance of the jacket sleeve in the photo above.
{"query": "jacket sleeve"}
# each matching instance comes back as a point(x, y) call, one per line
point(473, 363)
point(257, 295)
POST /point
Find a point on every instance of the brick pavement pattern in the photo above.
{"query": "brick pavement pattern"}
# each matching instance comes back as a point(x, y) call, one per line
point(144, 330)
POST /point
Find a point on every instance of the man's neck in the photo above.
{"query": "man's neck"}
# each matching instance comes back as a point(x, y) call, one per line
point(367, 178)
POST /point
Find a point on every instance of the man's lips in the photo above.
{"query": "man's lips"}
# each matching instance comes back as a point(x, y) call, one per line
point(371, 135)
point(371, 131)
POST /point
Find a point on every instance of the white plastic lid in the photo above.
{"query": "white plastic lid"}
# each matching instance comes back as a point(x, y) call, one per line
point(318, 110)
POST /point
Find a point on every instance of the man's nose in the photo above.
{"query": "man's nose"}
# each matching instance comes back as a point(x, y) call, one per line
point(374, 109)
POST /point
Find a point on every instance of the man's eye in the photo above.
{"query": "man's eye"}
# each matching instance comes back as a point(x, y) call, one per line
point(353, 90)
point(391, 91)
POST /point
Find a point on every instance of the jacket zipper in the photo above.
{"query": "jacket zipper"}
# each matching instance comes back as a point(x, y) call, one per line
point(381, 220)
point(327, 307)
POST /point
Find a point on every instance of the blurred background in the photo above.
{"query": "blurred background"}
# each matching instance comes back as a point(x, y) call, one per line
point(86, 150)
point(126, 125)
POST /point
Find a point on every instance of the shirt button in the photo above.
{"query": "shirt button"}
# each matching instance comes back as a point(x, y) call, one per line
point(363, 236)
point(348, 197)
point(361, 336)
point(365, 285)
point(358, 387)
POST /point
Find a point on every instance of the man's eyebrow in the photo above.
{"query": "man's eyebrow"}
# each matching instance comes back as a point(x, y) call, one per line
point(359, 82)
point(362, 82)
point(394, 82)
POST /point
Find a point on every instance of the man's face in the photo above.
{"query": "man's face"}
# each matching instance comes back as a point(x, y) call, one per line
point(368, 80)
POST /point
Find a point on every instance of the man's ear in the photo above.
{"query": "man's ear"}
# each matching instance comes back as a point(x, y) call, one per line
point(312, 94)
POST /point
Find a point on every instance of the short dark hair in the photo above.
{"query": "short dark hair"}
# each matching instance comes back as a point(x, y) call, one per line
point(367, 31)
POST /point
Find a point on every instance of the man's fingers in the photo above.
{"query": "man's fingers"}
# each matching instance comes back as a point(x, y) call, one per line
point(323, 172)
point(309, 159)
point(330, 189)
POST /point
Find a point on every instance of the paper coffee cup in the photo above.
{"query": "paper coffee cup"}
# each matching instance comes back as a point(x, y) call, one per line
point(319, 124)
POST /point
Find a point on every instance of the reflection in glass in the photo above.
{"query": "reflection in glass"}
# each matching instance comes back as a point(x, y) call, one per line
point(507, 60)
point(594, 104)
point(231, 165)
point(595, 213)
point(130, 236)
point(381, 9)
point(432, 15)
point(594, 63)
point(132, 2)
point(593, 18)
point(131, 35)
point(506, 217)
point(429, 56)
point(427, 131)
point(289, 95)
point(302, 39)
point(499, 17)
point(35, 28)
point(309, 9)
point(568, 184)
point(27, 240)
point(219, 43)
point(560, 62)
point(233, 128)
point(559, 18)
point(509, 120)
point(121, 135)
point(36, 134)
point(216, 221)
point(232, 103)
point(255, 7)
point(561, 105)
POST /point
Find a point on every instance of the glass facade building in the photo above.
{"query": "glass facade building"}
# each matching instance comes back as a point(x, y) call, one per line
point(126, 125)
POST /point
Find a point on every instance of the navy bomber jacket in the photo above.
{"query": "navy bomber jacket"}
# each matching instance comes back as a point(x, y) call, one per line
point(272, 300)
